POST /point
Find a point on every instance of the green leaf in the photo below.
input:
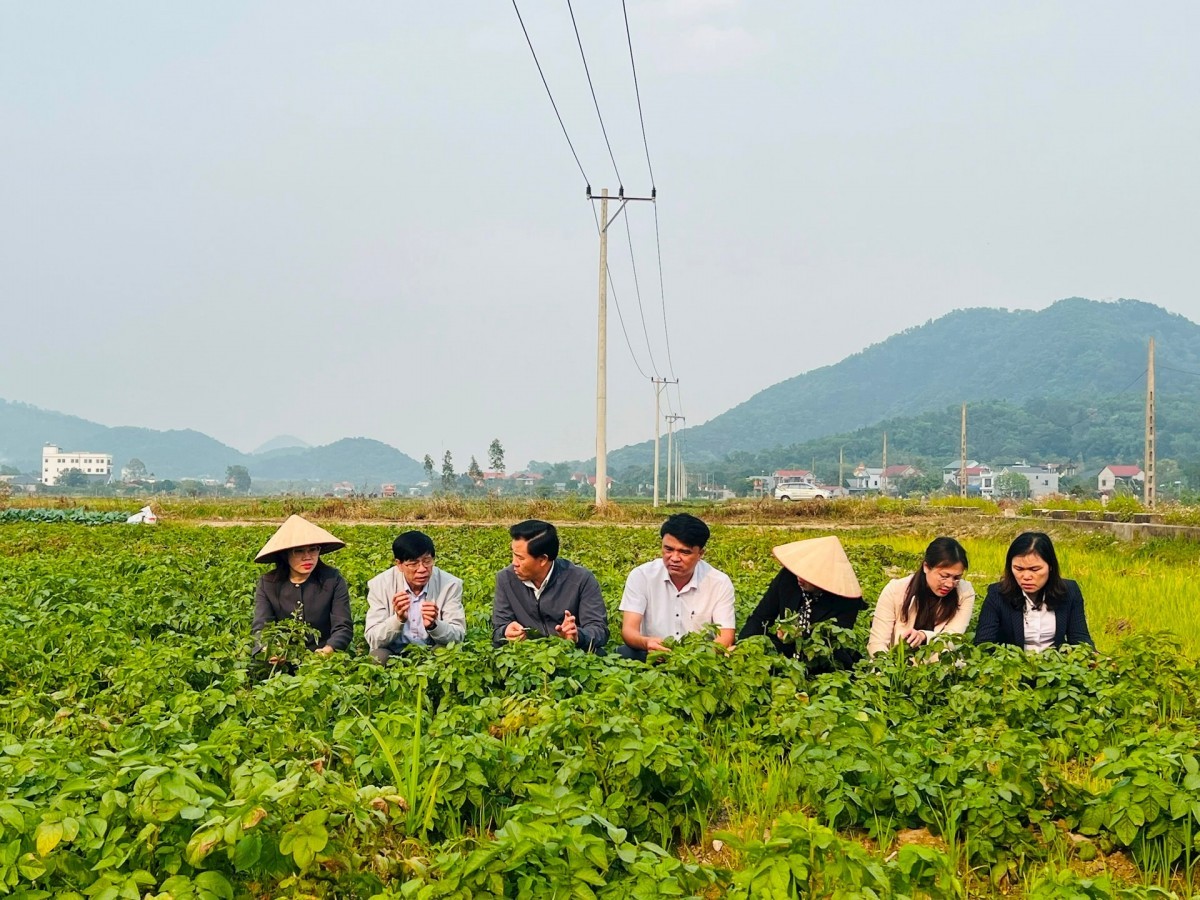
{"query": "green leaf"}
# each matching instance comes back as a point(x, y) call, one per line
point(48, 836)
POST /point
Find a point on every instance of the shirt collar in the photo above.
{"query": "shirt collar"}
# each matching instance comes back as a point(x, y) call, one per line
point(693, 583)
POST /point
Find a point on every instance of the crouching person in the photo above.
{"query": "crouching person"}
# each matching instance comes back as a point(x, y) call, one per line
point(413, 602)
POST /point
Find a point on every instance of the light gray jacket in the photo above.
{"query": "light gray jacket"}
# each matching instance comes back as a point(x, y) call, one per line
point(385, 629)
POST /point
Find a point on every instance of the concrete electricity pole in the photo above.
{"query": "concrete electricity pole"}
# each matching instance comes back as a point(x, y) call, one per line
point(602, 343)
point(962, 462)
point(1150, 486)
point(671, 420)
point(658, 388)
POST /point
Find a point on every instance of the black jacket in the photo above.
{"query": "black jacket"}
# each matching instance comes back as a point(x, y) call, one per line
point(1000, 623)
point(784, 596)
point(326, 599)
point(571, 588)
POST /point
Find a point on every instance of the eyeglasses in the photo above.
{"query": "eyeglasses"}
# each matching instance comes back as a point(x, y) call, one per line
point(425, 562)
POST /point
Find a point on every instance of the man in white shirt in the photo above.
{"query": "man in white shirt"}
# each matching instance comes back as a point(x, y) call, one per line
point(677, 594)
point(413, 602)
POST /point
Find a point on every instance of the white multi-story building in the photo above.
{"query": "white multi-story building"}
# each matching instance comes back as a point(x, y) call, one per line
point(97, 466)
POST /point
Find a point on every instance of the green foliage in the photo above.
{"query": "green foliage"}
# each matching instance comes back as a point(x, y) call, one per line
point(138, 757)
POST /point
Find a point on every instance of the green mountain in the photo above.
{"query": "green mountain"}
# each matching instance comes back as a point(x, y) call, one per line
point(1075, 350)
point(190, 454)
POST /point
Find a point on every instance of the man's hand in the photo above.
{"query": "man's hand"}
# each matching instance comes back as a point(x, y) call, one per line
point(568, 628)
point(655, 645)
point(400, 604)
point(515, 631)
point(428, 613)
point(914, 638)
point(325, 651)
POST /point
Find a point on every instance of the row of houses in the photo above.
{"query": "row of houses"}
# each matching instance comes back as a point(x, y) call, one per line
point(982, 480)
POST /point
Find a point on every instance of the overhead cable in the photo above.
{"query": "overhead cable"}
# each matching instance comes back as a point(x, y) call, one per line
point(596, 102)
point(546, 85)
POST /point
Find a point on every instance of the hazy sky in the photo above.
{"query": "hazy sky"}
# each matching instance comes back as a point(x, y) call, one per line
point(330, 220)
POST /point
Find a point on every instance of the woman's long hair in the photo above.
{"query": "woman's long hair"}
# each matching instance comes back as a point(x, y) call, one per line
point(1054, 591)
point(932, 610)
point(283, 571)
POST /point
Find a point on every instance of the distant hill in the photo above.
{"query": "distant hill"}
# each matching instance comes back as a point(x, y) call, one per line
point(190, 454)
point(281, 442)
point(1075, 349)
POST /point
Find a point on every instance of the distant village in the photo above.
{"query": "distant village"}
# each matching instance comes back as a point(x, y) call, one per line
point(63, 470)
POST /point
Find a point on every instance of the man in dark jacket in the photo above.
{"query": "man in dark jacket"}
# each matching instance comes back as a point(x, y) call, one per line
point(544, 596)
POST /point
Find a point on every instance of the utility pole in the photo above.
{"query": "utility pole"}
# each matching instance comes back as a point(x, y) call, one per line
point(602, 340)
point(962, 461)
point(671, 420)
point(1149, 486)
point(658, 388)
point(602, 362)
point(841, 466)
point(883, 474)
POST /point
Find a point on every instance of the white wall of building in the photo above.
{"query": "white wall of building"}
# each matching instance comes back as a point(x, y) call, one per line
point(55, 462)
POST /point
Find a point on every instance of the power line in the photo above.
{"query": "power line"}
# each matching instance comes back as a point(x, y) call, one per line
point(638, 288)
point(546, 85)
point(637, 93)
point(596, 102)
point(663, 293)
point(1180, 371)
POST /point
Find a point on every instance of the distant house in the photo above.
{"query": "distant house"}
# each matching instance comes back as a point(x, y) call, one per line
point(865, 478)
point(981, 480)
point(793, 475)
point(1113, 476)
point(891, 473)
point(24, 483)
point(526, 479)
point(1043, 480)
point(96, 466)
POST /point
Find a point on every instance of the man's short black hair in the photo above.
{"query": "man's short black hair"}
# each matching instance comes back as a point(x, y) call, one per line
point(685, 529)
point(412, 545)
point(542, 537)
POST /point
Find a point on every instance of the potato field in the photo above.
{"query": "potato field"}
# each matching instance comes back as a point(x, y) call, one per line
point(141, 758)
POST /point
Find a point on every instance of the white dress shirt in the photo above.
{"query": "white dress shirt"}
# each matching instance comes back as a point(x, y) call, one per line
point(668, 611)
point(1039, 627)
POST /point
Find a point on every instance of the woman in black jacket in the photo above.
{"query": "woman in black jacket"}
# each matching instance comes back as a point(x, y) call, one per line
point(816, 584)
point(302, 586)
point(1033, 606)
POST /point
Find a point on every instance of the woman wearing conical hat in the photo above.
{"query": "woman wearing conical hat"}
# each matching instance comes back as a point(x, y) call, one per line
point(816, 584)
point(933, 600)
point(302, 586)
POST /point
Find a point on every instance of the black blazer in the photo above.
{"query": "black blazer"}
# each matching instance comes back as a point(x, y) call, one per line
point(326, 598)
point(783, 596)
point(999, 623)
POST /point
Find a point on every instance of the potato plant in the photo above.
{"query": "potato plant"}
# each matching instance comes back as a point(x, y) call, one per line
point(143, 755)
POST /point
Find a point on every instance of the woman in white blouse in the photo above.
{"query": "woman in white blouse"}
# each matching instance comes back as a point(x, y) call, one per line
point(1033, 606)
point(933, 600)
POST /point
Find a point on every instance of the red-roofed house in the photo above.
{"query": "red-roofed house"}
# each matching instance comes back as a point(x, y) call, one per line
point(794, 474)
point(891, 473)
point(1111, 476)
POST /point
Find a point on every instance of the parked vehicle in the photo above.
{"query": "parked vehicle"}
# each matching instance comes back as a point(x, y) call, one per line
point(800, 490)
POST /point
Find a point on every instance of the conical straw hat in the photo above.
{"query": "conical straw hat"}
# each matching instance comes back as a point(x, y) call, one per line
point(820, 561)
point(298, 532)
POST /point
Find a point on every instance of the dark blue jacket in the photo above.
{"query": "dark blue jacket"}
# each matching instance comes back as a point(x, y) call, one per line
point(1000, 623)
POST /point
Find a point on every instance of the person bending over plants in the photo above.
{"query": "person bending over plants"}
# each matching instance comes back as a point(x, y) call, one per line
point(816, 584)
point(302, 604)
point(1033, 606)
point(676, 594)
point(543, 595)
point(933, 600)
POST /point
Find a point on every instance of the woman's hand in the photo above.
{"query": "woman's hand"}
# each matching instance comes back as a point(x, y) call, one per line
point(914, 637)
point(325, 651)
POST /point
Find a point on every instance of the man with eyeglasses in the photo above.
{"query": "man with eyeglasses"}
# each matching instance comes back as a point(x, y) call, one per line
point(413, 602)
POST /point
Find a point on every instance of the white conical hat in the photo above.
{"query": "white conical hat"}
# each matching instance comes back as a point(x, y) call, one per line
point(297, 531)
point(820, 561)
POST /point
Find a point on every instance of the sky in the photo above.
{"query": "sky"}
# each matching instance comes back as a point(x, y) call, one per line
point(341, 220)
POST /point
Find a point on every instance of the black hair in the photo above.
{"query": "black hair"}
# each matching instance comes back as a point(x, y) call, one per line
point(283, 571)
point(685, 529)
point(932, 610)
point(541, 537)
point(1026, 543)
point(412, 545)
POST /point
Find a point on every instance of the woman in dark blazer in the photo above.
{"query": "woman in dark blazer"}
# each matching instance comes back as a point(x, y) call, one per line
point(302, 586)
point(1033, 606)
